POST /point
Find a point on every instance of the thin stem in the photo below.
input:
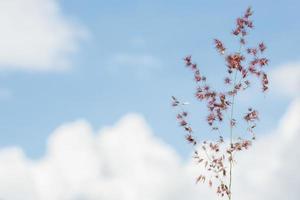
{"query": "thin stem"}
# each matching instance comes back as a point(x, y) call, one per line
point(231, 129)
point(231, 137)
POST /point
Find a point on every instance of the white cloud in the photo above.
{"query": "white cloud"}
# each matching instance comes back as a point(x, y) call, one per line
point(270, 170)
point(285, 79)
point(127, 162)
point(35, 35)
point(121, 162)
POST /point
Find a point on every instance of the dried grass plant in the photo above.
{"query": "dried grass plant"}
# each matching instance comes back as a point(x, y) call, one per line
point(217, 157)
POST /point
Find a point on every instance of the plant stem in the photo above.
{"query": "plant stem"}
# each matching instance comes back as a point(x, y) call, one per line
point(231, 137)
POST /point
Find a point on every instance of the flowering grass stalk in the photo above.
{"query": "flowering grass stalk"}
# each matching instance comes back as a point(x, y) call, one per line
point(217, 157)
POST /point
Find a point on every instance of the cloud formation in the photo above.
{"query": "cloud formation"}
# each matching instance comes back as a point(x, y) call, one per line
point(36, 36)
point(127, 162)
point(286, 79)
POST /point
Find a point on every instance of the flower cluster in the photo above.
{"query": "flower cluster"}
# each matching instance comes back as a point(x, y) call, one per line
point(217, 157)
point(182, 119)
point(219, 46)
point(251, 116)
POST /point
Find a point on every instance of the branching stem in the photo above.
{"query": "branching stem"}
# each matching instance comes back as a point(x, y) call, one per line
point(231, 136)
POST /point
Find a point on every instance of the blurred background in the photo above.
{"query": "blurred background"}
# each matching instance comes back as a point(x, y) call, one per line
point(85, 98)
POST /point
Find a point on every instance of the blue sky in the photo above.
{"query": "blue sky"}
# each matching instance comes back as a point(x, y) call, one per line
point(109, 77)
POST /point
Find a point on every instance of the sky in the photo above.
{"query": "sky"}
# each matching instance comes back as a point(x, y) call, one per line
point(94, 71)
